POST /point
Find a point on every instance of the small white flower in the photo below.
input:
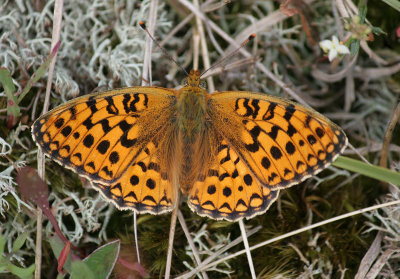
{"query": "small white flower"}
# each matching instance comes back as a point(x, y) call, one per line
point(333, 48)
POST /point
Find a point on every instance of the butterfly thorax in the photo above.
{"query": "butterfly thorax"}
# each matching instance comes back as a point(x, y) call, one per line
point(191, 108)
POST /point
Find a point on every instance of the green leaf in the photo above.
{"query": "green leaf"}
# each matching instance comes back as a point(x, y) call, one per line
point(19, 241)
point(80, 270)
point(372, 171)
point(57, 245)
point(362, 11)
point(395, 4)
point(22, 272)
point(101, 262)
point(354, 47)
point(377, 30)
point(9, 89)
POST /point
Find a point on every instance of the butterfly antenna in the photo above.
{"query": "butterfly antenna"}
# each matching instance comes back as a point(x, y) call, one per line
point(230, 55)
point(143, 25)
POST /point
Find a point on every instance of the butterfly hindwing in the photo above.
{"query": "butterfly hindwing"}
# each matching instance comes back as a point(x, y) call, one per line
point(228, 189)
point(101, 134)
point(282, 143)
point(147, 185)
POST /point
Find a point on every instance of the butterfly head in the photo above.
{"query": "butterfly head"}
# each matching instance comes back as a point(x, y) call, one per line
point(193, 79)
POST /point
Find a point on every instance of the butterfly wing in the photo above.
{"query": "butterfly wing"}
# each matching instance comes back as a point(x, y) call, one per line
point(148, 185)
point(277, 144)
point(111, 138)
point(281, 142)
point(228, 189)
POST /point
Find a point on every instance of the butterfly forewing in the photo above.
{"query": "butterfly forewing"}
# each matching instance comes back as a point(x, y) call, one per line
point(100, 135)
point(282, 143)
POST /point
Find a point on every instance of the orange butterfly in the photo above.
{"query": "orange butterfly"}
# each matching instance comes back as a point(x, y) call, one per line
point(230, 152)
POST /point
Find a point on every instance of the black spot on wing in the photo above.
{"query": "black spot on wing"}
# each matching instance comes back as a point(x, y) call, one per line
point(227, 192)
point(154, 166)
point(105, 125)
point(270, 113)
point(276, 152)
point(311, 139)
point(114, 157)
point(59, 123)
point(211, 189)
point(111, 108)
point(223, 176)
point(88, 123)
point(291, 130)
point(274, 132)
point(289, 112)
point(88, 141)
point(91, 104)
point(248, 179)
point(103, 146)
point(254, 132)
point(91, 165)
point(66, 131)
point(72, 110)
point(256, 108)
point(150, 183)
point(226, 205)
point(290, 148)
point(134, 180)
point(78, 155)
point(320, 132)
point(142, 166)
point(266, 163)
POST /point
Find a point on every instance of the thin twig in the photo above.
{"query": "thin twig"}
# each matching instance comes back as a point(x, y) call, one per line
point(319, 224)
point(335, 77)
point(263, 25)
point(204, 49)
point(190, 240)
point(246, 247)
point(171, 240)
point(146, 74)
point(176, 29)
point(229, 56)
point(196, 52)
point(387, 139)
point(212, 257)
point(388, 136)
point(226, 68)
point(58, 9)
point(244, 52)
point(136, 236)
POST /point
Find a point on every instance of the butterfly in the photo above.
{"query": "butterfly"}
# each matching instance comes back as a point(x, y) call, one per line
point(229, 152)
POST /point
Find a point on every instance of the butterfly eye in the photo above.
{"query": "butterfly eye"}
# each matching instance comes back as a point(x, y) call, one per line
point(203, 84)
